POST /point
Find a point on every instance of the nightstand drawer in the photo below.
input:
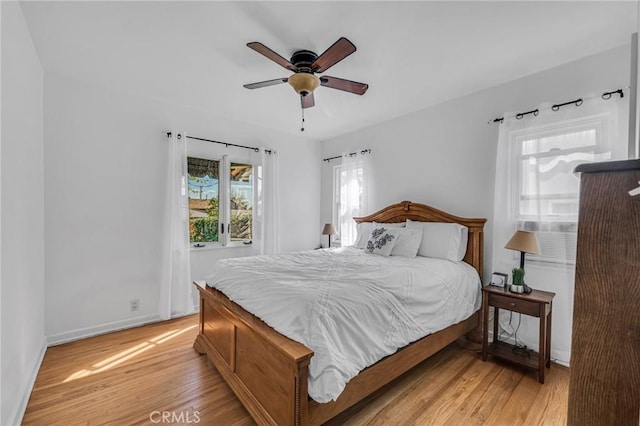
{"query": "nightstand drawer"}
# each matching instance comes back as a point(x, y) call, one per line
point(514, 304)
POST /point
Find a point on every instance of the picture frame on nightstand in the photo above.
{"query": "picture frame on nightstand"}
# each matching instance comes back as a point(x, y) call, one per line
point(498, 279)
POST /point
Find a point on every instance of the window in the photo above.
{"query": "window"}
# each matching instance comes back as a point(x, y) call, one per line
point(220, 201)
point(546, 189)
point(337, 181)
point(349, 196)
point(241, 201)
point(204, 196)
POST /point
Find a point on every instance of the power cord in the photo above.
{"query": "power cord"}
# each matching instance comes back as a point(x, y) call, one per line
point(518, 348)
point(503, 326)
point(515, 334)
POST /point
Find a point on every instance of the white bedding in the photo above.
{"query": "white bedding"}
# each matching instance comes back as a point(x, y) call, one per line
point(350, 308)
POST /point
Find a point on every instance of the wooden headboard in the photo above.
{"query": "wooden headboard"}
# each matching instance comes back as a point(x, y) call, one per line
point(404, 210)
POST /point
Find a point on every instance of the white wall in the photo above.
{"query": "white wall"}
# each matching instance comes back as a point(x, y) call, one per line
point(445, 156)
point(22, 219)
point(105, 173)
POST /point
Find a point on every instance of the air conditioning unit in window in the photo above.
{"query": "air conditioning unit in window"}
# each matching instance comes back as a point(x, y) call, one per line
point(557, 247)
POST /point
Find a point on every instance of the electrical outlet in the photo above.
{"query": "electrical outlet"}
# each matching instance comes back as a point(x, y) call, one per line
point(134, 305)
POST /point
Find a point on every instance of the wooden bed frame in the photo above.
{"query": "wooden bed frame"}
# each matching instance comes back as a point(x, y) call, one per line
point(268, 371)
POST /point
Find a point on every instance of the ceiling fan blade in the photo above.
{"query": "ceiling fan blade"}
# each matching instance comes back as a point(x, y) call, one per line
point(264, 50)
point(342, 84)
point(334, 54)
point(307, 101)
point(266, 83)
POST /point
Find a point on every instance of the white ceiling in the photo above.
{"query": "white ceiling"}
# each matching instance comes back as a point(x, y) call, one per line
point(412, 54)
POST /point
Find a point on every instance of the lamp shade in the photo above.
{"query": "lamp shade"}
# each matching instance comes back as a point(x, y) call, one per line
point(329, 229)
point(524, 241)
point(304, 83)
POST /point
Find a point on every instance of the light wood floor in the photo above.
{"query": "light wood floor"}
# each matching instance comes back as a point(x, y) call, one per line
point(134, 376)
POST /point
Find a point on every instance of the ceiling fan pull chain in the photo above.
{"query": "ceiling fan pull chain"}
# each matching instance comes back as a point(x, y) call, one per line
point(302, 128)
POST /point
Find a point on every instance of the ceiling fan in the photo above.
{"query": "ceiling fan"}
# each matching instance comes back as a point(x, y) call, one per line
point(305, 64)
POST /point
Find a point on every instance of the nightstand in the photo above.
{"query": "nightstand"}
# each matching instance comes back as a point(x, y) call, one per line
point(536, 304)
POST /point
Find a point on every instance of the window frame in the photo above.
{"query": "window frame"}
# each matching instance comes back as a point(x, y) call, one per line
point(337, 197)
point(546, 222)
point(240, 243)
point(224, 202)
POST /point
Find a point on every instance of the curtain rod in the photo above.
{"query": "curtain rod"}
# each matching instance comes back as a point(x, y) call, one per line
point(351, 154)
point(577, 102)
point(226, 144)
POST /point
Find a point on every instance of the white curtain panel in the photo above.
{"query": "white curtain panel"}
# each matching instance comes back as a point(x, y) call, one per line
point(354, 194)
point(535, 188)
point(267, 201)
point(176, 286)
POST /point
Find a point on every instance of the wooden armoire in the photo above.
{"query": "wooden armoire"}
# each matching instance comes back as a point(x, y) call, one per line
point(604, 388)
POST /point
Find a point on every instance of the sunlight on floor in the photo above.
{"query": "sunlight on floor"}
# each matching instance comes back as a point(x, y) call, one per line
point(127, 354)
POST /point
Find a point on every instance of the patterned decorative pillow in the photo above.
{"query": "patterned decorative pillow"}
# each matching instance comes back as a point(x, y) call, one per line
point(382, 240)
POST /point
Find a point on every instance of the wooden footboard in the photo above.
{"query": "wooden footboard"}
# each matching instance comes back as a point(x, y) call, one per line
point(268, 372)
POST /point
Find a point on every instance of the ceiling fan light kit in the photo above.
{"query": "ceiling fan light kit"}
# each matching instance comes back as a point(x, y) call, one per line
point(304, 83)
point(305, 64)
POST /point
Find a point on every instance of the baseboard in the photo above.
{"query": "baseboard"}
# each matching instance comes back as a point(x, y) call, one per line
point(31, 381)
point(561, 357)
point(83, 333)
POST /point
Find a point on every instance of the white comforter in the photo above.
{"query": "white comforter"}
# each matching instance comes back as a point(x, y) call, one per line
point(350, 308)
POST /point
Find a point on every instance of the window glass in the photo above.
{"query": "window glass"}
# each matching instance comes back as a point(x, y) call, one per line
point(335, 214)
point(348, 199)
point(546, 200)
point(241, 201)
point(204, 210)
point(562, 141)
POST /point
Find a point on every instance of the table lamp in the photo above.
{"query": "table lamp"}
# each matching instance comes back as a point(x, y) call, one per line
point(524, 242)
point(329, 230)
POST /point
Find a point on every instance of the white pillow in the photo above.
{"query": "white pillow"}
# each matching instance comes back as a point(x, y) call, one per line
point(464, 239)
point(390, 225)
point(442, 240)
point(382, 240)
point(408, 242)
point(363, 230)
